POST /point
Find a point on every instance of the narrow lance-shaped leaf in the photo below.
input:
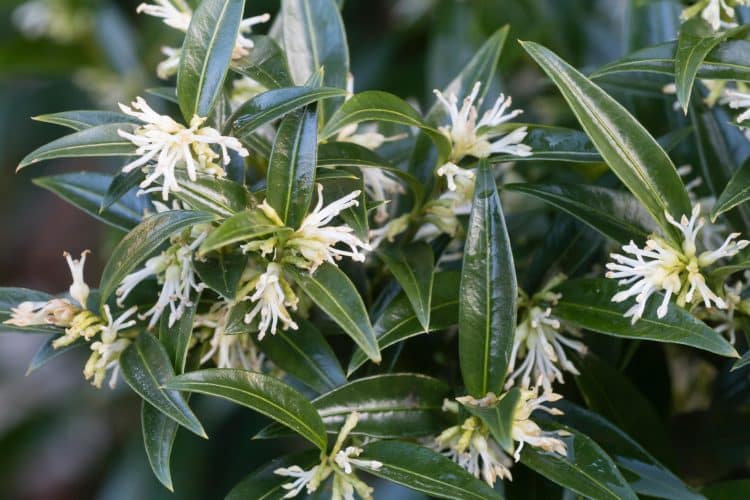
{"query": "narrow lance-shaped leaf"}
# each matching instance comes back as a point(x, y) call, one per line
point(488, 293)
point(266, 63)
point(207, 193)
point(159, 433)
point(146, 367)
point(176, 338)
point(264, 484)
point(498, 417)
point(262, 393)
point(83, 119)
point(413, 267)
point(206, 55)
point(240, 227)
point(629, 150)
point(335, 294)
point(291, 169)
point(736, 192)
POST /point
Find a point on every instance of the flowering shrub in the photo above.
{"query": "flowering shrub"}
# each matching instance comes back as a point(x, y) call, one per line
point(275, 212)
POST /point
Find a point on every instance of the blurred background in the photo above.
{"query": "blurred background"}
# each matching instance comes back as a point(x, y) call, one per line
point(59, 437)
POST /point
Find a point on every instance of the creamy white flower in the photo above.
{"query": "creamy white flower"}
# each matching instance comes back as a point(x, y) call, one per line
point(483, 138)
point(56, 312)
point(525, 430)
point(460, 187)
point(381, 185)
point(169, 66)
point(106, 351)
point(540, 343)
point(659, 266)
point(171, 144)
point(389, 231)
point(713, 10)
point(315, 242)
point(340, 463)
point(273, 298)
point(227, 351)
point(736, 99)
point(79, 290)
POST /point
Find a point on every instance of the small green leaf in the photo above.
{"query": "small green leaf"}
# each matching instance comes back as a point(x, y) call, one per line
point(206, 55)
point(221, 272)
point(305, 353)
point(498, 417)
point(424, 470)
point(243, 226)
point(81, 120)
point(488, 293)
point(207, 193)
point(264, 484)
point(176, 338)
point(627, 147)
point(335, 294)
point(413, 267)
point(291, 168)
point(47, 352)
point(120, 186)
point(262, 393)
point(742, 362)
point(587, 303)
point(615, 214)
point(102, 140)
point(146, 367)
point(141, 242)
point(266, 64)
point(737, 191)
point(159, 433)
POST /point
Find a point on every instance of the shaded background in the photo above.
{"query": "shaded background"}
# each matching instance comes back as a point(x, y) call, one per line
point(61, 438)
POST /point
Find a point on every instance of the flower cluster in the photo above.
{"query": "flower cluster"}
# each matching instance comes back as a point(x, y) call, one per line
point(170, 144)
point(60, 20)
point(341, 462)
point(718, 13)
point(226, 351)
point(677, 271)
point(178, 15)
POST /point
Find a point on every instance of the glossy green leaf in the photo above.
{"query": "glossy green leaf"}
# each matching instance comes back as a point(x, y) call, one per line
point(646, 475)
point(737, 191)
point(399, 321)
point(146, 367)
point(498, 416)
point(554, 144)
point(46, 352)
point(159, 433)
point(413, 267)
point(274, 104)
point(305, 354)
point(263, 484)
point(425, 470)
point(141, 242)
point(262, 393)
point(332, 291)
point(291, 168)
point(697, 38)
point(88, 190)
point(207, 193)
point(615, 214)
point(83, 119)
point(266, 64)
point(587, 303)
point(629, 150)
point(206, 55)
point(240, 227)
point(488, 293)
point(742, 362)
point(176, 338)
point(102, 140)
point(374, 105)
point(586, 470)
point(120, 186)
point(221, 272)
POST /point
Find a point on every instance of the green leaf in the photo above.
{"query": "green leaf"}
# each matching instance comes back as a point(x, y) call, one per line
point(159, 433)
point(167, 93)
point(586, 470)
point(413, 267)
point(81, 120)
point(266, 64)
point(737, 191)
point(146, 367)
point(488, 293)
point(587, 303)
point(742, 362)
point(498, 417)
point(47, 352)
point(632, 154)
point(102, 140)
point(120, 186)
point(399, 321)
point(424, 470)
point(262, 393)
point(222, 272)
point(88, 191)
point(141, 242)
point(243, 226)
point(176, 338)
point(374, 105)
point(305, 353)
point(615, 214)
point(206, 55)
point(553, 144)
point(649, 476)
point(332, 291)
point(314, 38)
point(695, 41)
point(274, 104)
point(263, 484)
point(291, 168)
point(207, 193)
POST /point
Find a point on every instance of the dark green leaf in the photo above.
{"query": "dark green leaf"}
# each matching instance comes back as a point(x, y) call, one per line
point(263, 484)
point(413, 267)
point(554, 144)
point(240, 227)
point(120, 186)
point(81, 120)
point(176, 338)
point(212, 194)
point(47, 352)
point(488, 293)
point(262, 393)
point(742, 362)
point(221, 272)
point(266, 64)
point(159, 433)
point(498, 417)
point(737, 191)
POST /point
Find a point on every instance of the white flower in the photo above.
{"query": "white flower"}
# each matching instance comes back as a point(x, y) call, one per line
point(340, 463)
point(174, 270)
point(56, 312)
point(379, 185)
point(460, 187)
point(737, 100)
point(227, 351)
point(713, 10)
point(659, 266)
point(315, 242)
point(525, 430)
point(389, 231)
point(244, 89)
point(272, 297)
point(171, 64)
point(79, 290)
point(107, 350)
point(171, 144)
point(539, 342)
point(483, 138)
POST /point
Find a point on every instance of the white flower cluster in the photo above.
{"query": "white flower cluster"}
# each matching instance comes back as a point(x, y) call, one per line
point(677, 271)
point(226, 351)
point(177, 15)
point(718, 13)
point(171, 145)
point(341, 462)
